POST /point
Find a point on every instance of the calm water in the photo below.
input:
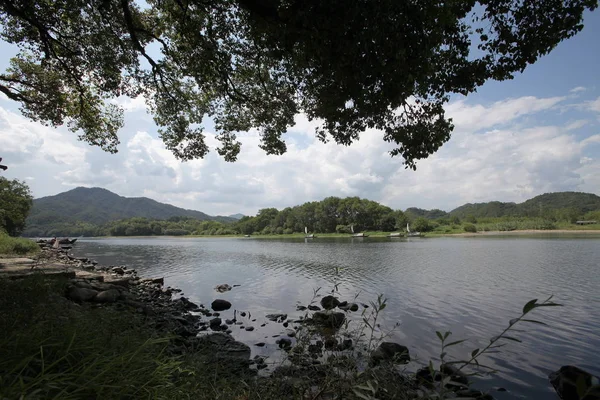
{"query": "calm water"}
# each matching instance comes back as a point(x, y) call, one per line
point(470, 286)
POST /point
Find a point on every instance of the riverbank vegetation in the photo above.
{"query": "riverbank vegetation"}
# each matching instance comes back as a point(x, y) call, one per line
point(51, 347)
point(335, 216)
point(16, 246)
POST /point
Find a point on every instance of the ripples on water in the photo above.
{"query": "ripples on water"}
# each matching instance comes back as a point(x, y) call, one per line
point(470, 286)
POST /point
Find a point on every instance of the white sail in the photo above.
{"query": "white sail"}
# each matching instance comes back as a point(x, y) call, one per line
point(352, 228)
point(407, 228)
point(306, 230)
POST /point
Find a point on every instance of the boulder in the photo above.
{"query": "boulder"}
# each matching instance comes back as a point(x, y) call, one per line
point(225, 351)
point(284, 343)
point(107, 296)
point(329, 302)
point(573, 383)
point(276, 317)
point(314, 308)
point(329, 319)
point(118, 270)
point(80, 294)
point(215, 323)
point(188, 305)
point(249, 328)
point(223, 288)
point(348, 306)
point(454, 374)
point(220, 305)
point(390, 351)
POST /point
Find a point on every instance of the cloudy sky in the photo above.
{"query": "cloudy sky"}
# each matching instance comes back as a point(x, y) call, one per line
point(513, 140)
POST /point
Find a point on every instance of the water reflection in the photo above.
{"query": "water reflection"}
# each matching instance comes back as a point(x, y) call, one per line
point(471, 286)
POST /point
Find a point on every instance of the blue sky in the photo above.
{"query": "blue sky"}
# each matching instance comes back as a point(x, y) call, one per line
point(537, 133)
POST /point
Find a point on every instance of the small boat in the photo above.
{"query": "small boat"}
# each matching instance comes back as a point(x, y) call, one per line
point(306, 235)
point(357, 234)
point(396, 234)
point(246, 235)
point(412, 234)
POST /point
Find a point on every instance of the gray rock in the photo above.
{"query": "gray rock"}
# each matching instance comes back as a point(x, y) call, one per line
point(249, 328)
point(83, 284)
point(118, 270)
point(223, 288)
point(330, 343)
point(353, 307)
point(223, 347)
point(346, 344)
point(284, 343)
point(290, 333)
point(390, 351)
point(455, 374)
point(260, 344)
point(220, 305)
point(314, 308)
point(228, 322)
point(107, 296)
point(79, 294)
point(188, 305)
point(276, 317)
point(567, 380)
point(215, 323)
point(329, 319)
point(329, 302)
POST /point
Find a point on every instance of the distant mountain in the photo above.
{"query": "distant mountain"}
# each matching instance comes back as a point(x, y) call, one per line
point(236, 216)
point(578, 202)
point(99, 206)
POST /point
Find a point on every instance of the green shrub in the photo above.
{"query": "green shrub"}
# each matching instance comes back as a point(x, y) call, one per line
point(343, 229)
point(288, 231)
point(470, 228)
point(14, 245)
point(422, 225)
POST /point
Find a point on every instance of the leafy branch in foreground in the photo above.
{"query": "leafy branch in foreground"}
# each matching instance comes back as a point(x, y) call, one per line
point(448, 374)
point(350, 66)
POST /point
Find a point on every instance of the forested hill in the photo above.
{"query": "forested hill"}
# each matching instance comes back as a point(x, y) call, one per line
point(98, 206)
point(577, 203)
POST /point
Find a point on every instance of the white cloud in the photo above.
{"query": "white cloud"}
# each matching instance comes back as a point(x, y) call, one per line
point(499, 151)
point(580, 123)
point(577, 89)
point(594, 105)
point(472, 118)
point(131, 105)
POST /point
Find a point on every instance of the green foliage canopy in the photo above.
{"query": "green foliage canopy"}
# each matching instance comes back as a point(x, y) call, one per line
point(15, 203)
point(389, 65)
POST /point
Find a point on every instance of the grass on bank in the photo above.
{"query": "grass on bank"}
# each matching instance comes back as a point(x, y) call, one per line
point(52, 348)
point(17, 246)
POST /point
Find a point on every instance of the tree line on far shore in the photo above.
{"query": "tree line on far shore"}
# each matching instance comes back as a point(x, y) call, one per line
point(331, 215)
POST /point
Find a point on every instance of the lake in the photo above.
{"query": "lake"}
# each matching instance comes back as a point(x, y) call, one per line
point(470, 286)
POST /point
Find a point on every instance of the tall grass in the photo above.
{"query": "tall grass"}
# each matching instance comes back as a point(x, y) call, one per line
point(51, 348)
point(16, 246)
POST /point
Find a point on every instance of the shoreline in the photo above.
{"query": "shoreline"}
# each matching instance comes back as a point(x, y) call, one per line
point(93, 291)
point(533, 232)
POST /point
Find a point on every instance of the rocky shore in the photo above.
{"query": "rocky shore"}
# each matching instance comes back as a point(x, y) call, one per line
point(317, 349)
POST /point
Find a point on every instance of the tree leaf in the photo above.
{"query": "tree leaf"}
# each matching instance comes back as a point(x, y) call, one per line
point(474, 353)
point(439, 335)
point(511, 338)
point(455, 343)
point(534, 322)
point(529, 306)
